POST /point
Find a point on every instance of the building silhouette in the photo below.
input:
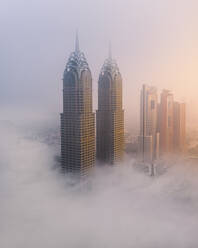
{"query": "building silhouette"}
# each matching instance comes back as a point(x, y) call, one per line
point(166, 122)
point(162, 125)
point(77, 119)
point(179, 137)
point(110, 115)
point(149, 135)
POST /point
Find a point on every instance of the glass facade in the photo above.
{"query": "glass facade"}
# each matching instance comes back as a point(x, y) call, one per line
point(77, 119)
point(110, 115)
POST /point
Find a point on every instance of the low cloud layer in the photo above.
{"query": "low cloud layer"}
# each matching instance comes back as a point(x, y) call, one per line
point(119, 207)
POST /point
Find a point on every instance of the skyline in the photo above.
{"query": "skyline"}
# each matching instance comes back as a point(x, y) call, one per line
point(162, 124)
point(33, 51)
point(98, 134)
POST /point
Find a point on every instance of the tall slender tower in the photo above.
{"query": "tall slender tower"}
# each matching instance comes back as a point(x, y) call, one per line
point(77, 119)
point(149, 137)
point(166, 122)
point(179, 137)
point(110, 115)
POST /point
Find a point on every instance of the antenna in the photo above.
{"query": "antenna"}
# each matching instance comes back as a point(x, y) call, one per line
point(77, 49)
point(110, 54)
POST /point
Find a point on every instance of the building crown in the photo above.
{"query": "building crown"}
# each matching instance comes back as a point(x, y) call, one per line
point(77, 60)
point(110, 65)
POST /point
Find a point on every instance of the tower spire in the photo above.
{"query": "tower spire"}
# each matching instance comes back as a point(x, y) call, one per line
point(110, 55)
point(77, 42)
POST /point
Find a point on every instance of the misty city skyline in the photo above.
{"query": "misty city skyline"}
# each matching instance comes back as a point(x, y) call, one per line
point(153, 43)
point(96, 153)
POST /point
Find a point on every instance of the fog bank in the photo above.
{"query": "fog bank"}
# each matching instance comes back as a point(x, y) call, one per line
point(117, 207)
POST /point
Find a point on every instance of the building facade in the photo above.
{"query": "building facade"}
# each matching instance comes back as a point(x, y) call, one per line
point(149, 136)
point(166, 118)
point(162, 125)
point(77, 119)
point(110, 115)
point(179, 137)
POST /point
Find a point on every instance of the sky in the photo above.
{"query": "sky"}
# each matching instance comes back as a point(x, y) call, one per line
point(117, 207)
point(153, 42)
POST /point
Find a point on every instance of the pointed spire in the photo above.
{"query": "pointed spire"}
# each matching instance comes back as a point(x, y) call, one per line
point(110, 55)
point(77, 42)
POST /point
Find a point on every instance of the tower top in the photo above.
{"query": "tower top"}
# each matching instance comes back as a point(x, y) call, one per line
point(110, 64)
point(77, 49)
point(77, 60)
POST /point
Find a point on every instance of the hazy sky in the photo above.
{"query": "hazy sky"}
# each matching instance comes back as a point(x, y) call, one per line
point(154, 42)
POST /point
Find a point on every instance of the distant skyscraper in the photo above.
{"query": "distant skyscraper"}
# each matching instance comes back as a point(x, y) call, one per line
point(166, 122)
point(179, 137)
point(77, 119)
point(110, 115)
point(149, 138)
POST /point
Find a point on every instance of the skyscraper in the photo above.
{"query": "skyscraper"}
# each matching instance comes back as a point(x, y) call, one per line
point(110, 115)
point(179, 137)
point(166, 122)
point(149, 138)
point(77, 119)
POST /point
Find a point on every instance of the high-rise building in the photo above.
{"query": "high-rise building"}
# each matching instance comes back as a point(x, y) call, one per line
point(110, 115)
point(149, 137)
point(166, 122)
point(179, 137)
point(77, 119)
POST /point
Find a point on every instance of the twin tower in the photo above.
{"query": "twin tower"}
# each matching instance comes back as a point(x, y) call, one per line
point(79, 146)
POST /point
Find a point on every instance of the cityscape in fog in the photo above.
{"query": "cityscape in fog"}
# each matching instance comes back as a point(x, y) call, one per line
point(98, 124)
point(162, 131)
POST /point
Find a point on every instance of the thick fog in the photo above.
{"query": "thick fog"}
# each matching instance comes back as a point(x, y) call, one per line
point(154, 42)
point(117, 207)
